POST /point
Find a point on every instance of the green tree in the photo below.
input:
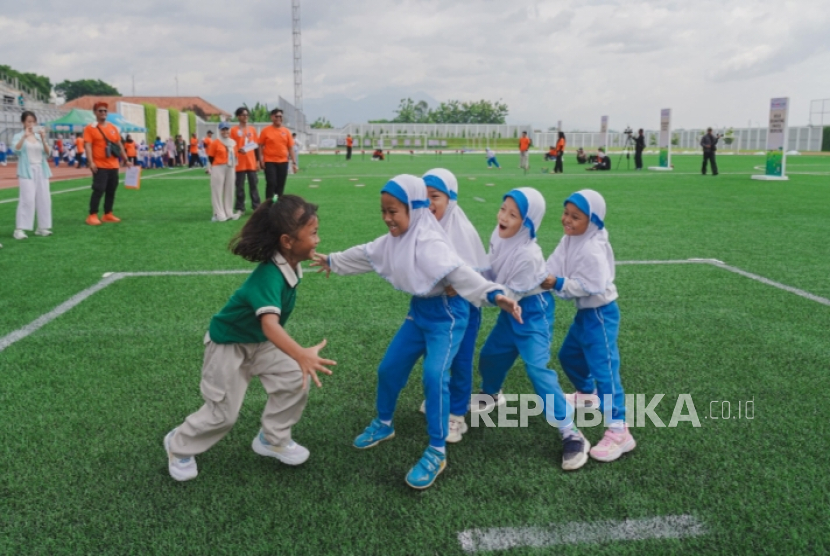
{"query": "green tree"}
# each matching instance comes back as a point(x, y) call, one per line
point(191, 122)
point(39, 83)
point(150, 122)
point(70, 90)
point(259, 112)
point(321, 123)
point(173, 114)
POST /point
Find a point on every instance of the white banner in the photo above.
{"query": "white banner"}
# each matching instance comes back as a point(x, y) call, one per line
point(665, 138)
point(777, 137)
point(603, 131)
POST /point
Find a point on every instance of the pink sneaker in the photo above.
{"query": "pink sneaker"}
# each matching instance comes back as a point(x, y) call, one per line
point(579, 400)
point(613, 445)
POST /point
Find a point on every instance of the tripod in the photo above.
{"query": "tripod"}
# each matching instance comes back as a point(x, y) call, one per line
point(629, 145)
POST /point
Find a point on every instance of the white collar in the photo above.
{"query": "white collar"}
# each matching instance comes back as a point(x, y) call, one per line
point(291, 275)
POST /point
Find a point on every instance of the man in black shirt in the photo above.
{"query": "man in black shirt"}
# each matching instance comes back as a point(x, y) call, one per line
point(639, 147)
point(710, 145)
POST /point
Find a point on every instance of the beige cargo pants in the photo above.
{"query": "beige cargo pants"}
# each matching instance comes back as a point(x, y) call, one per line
point(226, 372)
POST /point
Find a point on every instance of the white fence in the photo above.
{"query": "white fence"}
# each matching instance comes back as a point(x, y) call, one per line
point(803, 139)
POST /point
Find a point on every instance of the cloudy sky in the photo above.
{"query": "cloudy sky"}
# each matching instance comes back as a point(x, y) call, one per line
point(712, 62)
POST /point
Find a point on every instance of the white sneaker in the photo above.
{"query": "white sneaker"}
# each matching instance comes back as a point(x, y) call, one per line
point(583, 401)
point(19, 234)
point(457, 428)
point(236, 216)
point(43, 232)
point(484, 403)
point(290, 454)
point(182, 469)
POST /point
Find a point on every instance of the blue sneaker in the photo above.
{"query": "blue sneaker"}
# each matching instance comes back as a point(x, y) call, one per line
point(427, 470)
point(374, 434)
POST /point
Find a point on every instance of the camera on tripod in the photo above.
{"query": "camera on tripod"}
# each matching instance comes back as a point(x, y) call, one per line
point(628, 131)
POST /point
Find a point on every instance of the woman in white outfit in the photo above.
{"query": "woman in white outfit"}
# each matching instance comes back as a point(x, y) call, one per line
point(32, 152)
point(222, 156)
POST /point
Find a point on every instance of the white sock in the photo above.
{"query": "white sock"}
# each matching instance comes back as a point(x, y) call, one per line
point(568, 431)
point(617, 427)
point(387, 423)
point(442, 449)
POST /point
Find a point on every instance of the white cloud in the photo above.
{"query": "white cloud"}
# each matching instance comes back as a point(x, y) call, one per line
point(570, 60)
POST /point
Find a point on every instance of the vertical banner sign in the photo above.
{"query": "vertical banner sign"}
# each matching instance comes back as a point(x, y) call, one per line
point(665, 138)
point(777, 137)
point(559, 125)
point(603, 132)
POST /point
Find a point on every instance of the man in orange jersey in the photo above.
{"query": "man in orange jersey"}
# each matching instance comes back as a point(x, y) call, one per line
point(276, 146)
point(103, 145)
point(206, 142)
point(245, 137)
point(524, 146)
point(349, 143)
point(130, 149)
point(79, 146)
point(194, 151)
point(560, 152)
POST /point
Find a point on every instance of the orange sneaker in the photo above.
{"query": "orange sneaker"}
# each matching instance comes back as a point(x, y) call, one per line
point(110, 217)
point(92, 220)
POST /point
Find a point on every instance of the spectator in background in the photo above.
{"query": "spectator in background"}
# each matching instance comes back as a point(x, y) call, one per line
point(581, 157)
point(709, 142)
point(378, 154)
point(296, 167)
point(639, 147)
point(158, 144)
point(349, 143)
point(79, 146)
point(246, 140)
point(130, 150)
point(21, 101)
point(170, 149)
point(524, 147)
point(101, 141)
point(56, 154)
point(207, 141)
point(3, 151)
point(276, 146)
point(491, 159)
point(559, 152)
point(202, 153)
point(603, 161)
point(194, 151)
point(222, 156)
point(180, 151)
point(33, 173)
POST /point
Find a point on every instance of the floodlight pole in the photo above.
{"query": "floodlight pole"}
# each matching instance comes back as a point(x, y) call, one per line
point(298, 63)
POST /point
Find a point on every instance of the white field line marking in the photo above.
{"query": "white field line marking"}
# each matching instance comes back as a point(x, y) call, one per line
point(87, 188)
point(503, 538)
point(111, 277)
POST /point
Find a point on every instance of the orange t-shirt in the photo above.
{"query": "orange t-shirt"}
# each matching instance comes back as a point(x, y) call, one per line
point(92, 136)
point(349, 141)
point(524, 143)
point(207, 141)
point(245, 161)
point(194, 145)
point(218, 152)
point(552, 151)
point(129, 148)
point(275, 142)
point(560, 146)
point(79, 145)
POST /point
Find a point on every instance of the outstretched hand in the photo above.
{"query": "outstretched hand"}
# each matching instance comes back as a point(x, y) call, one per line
point(311, 363)
point(321, 261)
point(511, 306)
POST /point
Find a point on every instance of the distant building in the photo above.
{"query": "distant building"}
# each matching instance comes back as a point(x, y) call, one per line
point(198, 105)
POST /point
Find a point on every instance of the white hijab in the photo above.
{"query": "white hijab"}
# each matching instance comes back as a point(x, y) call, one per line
point(518, 262)
point(463, 236)
point(420, 258)
point(587, 258)
point(230, 145)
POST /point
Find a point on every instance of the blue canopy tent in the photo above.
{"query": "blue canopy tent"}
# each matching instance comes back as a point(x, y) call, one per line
point(118, 121)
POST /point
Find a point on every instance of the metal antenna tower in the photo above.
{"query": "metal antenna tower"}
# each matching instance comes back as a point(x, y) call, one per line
point(298, 57)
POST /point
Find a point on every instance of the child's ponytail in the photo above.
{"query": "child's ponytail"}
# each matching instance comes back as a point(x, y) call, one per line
point(259, 238)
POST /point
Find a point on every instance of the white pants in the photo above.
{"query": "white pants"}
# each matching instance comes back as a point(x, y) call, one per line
point(34, 196)
point(222, 190)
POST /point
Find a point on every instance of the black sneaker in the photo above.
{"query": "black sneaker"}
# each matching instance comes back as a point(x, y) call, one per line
point(574, 452)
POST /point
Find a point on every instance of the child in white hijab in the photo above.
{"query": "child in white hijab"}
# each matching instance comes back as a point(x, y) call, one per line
point(582, 268)
point(442, 190)
point(518, 263)
point(416, 257)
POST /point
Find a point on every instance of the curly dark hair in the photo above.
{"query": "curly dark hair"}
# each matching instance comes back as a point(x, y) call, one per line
point(259, 238)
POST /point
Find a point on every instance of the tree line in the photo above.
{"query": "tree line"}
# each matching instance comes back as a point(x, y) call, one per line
point(449, 112)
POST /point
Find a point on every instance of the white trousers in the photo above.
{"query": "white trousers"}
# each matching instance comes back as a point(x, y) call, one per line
point(222, 190)
point(34, 197)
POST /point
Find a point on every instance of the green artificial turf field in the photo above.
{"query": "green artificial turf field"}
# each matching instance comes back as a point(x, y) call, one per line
point(87, 398)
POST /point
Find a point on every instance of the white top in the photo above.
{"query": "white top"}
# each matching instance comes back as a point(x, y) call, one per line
point(490, 153)
point(586, 262)
point(34, 148)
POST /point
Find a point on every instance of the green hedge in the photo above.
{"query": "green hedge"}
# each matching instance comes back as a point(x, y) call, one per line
point(150, 122)
point(825, 140)
point(174, 122)
point(191, 122)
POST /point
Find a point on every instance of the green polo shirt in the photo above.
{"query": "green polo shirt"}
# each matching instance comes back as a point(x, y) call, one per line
point(271, 288)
